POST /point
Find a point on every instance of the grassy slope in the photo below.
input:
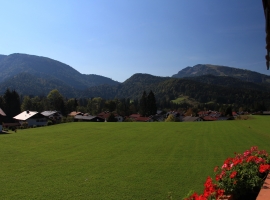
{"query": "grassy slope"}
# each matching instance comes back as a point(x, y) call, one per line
point(121, 160)
point(185, 99)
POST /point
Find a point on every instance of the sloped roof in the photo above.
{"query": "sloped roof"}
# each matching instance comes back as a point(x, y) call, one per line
point(88, 118)
point(74, 113)
point(48, 113)
point(2, 112)
point(25, 115)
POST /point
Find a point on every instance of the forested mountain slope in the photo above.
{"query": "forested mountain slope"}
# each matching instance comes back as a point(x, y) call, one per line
point(216, 70)
point(47, 68)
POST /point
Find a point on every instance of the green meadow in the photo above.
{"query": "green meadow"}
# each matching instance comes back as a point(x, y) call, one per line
point(121, 160)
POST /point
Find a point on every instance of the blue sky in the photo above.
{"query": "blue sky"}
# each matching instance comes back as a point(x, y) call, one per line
point(117, 38)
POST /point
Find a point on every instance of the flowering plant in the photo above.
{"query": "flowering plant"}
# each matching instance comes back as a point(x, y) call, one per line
point(244, 173)
point(238, 176)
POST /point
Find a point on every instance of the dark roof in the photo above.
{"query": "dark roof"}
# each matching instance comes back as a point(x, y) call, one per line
point(2, 112)
point(88, 118)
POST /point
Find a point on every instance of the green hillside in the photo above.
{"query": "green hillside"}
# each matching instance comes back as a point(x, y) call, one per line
point(216, 70)
point(121, 160)
point(47, 68)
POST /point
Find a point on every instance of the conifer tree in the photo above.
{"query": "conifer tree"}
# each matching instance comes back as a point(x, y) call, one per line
point(143, 105)
point(151, 104)
point(12, 104)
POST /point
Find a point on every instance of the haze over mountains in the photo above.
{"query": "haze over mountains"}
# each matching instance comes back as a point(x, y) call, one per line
point(35, 75)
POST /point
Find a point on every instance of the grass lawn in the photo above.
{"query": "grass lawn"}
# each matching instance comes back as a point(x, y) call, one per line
point(121, 160)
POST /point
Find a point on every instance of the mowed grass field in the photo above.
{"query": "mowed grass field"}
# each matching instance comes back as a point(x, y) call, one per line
point(121, 160)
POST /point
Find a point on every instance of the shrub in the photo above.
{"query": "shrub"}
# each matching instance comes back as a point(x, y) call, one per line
point(49, 123)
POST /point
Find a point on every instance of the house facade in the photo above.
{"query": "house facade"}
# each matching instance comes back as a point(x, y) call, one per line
point(33, 118)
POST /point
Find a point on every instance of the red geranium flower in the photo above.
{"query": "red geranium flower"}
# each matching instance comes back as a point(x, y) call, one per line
point(233, 174)
point(264, 168)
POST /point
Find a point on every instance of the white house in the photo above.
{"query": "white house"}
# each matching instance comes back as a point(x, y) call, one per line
point(33, 118)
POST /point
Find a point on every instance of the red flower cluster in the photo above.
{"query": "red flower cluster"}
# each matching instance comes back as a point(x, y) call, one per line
point(210, 190)
point(232, 177)
point(264, 168)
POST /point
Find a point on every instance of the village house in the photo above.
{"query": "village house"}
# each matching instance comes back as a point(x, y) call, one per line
point(106, 114)
point(177, 115)
point(33, 118)
point(88, 118)
point(2, 115)
point(54, 116)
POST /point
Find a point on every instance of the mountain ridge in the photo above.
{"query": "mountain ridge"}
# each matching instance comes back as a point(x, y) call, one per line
point(34, 75)
point(218, 70)
point(14, 64)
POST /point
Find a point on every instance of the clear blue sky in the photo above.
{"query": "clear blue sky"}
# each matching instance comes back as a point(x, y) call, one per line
point(117, 38)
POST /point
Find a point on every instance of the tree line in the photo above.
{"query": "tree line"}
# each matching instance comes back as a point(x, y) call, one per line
point(13, 104)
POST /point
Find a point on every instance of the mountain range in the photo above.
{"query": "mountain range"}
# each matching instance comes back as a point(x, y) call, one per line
point(36, 75)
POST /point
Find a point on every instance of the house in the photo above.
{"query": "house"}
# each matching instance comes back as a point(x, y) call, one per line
point(106, 114)
point(210, 118)
point(2, 115)
point(88, 118)
point(178, 116)
point(54, 116)
point(33, 118)
point(192, 119)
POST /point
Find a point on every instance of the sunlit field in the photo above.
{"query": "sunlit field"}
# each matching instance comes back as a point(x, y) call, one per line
point(121, 160)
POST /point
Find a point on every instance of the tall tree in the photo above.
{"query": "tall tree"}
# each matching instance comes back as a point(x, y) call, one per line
point(56, 101)
point(143, 105)
point(26, 104)
point(151, 104)
point(12, 104)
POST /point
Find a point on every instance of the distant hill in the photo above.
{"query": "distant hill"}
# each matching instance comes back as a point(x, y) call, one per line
point(48, 69)
point(216, 70)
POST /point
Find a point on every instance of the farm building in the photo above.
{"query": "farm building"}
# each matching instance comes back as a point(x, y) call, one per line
point(33, 118)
